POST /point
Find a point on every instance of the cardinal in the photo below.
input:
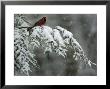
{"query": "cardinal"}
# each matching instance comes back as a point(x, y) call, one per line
point(38, 23)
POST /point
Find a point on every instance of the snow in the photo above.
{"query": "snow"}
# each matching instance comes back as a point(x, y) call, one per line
point(56, 40)
point(66, 33)
point(57, 37)
point(20, 21)
point(50, 38)
point(22, 56)
point(60, 28)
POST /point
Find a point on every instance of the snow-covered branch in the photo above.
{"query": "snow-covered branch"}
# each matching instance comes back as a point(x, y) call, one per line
point(23, 58)
point(57, 40)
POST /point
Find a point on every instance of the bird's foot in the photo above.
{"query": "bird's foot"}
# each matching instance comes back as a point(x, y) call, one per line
point(42, 27)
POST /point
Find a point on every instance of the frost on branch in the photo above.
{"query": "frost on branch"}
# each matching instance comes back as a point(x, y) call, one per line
point(52, 40)
point(23, 58)
point(58, 40)
point(79, 54)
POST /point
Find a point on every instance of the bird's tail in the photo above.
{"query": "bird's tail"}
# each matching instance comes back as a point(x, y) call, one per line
point(29, 28)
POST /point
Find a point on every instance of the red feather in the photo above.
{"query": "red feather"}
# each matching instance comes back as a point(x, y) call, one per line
point(40, 22)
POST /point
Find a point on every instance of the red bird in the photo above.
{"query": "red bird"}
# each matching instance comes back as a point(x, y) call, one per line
point(38, 23)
